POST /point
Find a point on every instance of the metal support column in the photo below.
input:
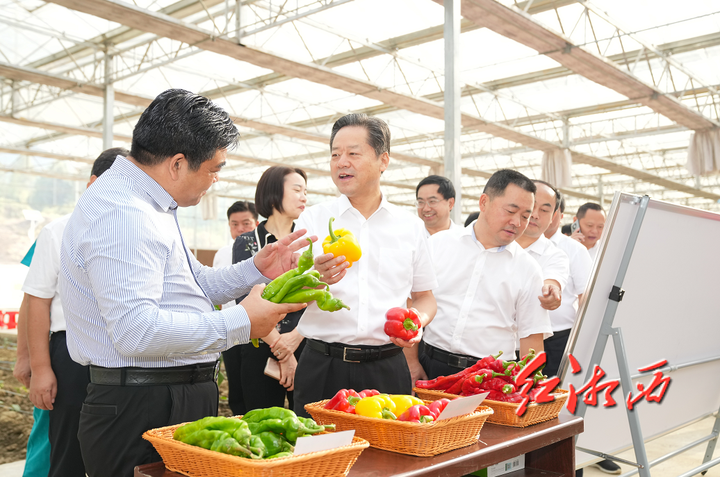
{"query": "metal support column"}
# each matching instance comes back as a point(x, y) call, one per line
point(238, 22)
point(108, 100)
point(452, 102)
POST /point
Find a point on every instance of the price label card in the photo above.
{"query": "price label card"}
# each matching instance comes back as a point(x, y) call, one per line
point(460, 406)
point(323, 442)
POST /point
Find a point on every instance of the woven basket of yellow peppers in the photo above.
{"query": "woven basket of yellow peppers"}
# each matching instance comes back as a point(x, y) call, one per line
point(399, 423)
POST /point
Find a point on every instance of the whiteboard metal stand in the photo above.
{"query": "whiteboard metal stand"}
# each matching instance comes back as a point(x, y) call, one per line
point(607, 330)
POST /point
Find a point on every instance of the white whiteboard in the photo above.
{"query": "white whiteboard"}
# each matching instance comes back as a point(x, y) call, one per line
point(670, 310)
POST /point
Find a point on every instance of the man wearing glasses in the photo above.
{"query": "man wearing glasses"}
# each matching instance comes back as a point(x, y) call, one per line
point(435, 198)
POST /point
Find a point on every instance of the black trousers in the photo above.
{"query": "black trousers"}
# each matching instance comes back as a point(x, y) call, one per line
point(434, 368)
point(260, 391)
point(232, 359)
point(319, 377)
point(113, 419)
point(554, 350)
point(72, 381)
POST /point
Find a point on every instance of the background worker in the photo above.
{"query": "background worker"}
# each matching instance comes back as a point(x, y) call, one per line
point(552, 260)
point(280, 196)
point(57, 383)
point(349, 348)
point(435, 199)
point(590, 219)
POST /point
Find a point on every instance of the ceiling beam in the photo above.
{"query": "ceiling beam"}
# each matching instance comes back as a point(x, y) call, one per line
point(522, 28)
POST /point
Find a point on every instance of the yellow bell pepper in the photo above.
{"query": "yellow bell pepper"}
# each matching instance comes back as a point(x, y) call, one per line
point(379, 407)
point(403, 402)
point(342, 242)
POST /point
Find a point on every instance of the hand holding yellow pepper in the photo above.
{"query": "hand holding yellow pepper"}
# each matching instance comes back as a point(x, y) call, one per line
point(342, 242)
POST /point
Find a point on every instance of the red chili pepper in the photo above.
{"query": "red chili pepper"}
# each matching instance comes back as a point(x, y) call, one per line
point(417, 413)
point(437, 407)
point(445, 382)
point(486, 380)
point(402, 323)
point(339, 402)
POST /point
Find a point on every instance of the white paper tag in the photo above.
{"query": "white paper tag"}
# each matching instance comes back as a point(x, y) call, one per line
point(460, 406)
point(323, 442)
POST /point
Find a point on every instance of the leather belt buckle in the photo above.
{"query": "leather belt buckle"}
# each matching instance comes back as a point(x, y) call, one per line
point(457, 361)
point(345, 350)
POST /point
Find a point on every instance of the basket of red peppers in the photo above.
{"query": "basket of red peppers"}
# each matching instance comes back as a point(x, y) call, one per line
point(400, 423)
point(499, 378)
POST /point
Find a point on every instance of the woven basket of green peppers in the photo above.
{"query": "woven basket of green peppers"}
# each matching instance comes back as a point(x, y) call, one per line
point(254, 445)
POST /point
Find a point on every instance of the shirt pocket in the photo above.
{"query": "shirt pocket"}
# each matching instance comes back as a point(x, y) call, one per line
point(395, 270)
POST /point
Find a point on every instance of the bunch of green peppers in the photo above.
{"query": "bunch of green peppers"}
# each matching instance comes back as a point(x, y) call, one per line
point(296, 286)
point(260, 434)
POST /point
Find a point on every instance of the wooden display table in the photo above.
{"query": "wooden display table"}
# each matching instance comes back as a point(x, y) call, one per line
point(549, 450)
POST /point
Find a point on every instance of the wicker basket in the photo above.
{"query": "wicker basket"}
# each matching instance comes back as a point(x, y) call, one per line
point(410, 438)
point(198, 462)
point(504, 414)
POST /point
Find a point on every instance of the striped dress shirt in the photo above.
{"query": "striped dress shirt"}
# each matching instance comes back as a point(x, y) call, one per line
point(132, 292)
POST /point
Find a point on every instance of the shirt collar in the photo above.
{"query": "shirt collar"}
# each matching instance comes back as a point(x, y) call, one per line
point(145, 183)
point(470, 231)
point(539, 246)
point(344, 205)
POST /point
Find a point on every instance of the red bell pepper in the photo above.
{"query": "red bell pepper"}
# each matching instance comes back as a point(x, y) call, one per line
point(437, 407)
point(402, 323)
point(417, 413)
point(368, 393)
point(339, 402)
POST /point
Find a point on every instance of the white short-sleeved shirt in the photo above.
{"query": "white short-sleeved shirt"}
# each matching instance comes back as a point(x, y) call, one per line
point(394, 262)
point(564, 317)
point(453, 228)
point(552, 260)
point(42, 278)
point(223, 258)
point(593, 251)
point(486, 297)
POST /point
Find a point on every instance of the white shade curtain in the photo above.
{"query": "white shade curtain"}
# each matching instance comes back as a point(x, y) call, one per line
point(208, 204)
point(704, 152)
point(557, 167)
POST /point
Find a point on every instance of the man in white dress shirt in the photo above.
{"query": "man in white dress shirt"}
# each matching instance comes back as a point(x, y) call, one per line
point(552, 260)
point(488, 285)
point(348, 348)
point(591, 220)
point(435, 198)
point(563, 318)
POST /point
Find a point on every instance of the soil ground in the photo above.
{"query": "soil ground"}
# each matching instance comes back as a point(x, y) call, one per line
point(16, 409)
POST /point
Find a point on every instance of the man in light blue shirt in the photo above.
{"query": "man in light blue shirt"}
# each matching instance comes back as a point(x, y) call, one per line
point(139, 307)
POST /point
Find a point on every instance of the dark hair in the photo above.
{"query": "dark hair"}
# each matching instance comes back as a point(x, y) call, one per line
point(499, 181)
point(271, 189)
point(105, 160)
point(471, 217)
point(378, 131)
point(562, 202)
point(242, 206)
point(445, 186)
point(180, 122)
point(566, 230)
point(588, 206)
point(557, 192)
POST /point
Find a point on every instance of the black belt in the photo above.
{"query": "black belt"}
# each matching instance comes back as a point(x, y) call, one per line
point(191, 374)
point(354, 353)
point(461, 361)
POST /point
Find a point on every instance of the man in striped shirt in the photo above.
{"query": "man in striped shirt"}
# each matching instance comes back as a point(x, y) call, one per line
point(139, 307)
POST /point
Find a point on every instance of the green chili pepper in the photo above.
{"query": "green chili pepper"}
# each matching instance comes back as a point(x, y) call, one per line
point(257, 447)
point(205, 438)
point(192, 427)
point(257, 415)
point(306, 260)
point(273, 425)
point(323, 298)
point(293, 429)
point(310, 280)
point(274, 443)
point(228, 445)
point(313, 427)
point(242, 434)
